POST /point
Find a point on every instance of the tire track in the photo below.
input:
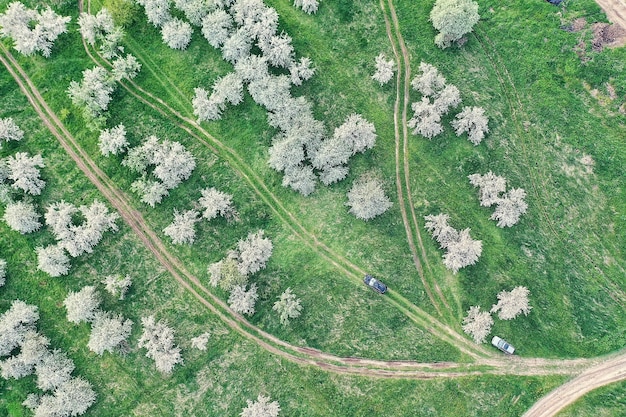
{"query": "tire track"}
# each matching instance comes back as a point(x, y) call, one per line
point(605, 373)
point(351, 270)
point(402, 160)
point(301, 355)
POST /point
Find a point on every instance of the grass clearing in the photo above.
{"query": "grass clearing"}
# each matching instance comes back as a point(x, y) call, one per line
point(546, 128)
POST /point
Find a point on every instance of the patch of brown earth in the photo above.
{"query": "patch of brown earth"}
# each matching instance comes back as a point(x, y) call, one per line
point(606, 35)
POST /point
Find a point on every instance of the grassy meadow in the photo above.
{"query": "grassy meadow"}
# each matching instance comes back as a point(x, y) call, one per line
point(548, 135)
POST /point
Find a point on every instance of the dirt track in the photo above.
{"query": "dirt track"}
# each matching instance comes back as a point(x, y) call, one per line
point(301, 355)
point(615, 11)
point(605, 373)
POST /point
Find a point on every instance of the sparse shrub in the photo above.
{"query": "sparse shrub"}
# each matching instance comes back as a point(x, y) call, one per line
point(384, 69)
point(158, 339)
point(262, 407)
point(242, 301)
point(512, 303)
point(288, 307)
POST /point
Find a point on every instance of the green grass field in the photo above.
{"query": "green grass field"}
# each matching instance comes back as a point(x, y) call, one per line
point(569, 249)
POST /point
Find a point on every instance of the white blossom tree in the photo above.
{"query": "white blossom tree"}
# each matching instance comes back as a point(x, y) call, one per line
point(449, 97)
point(237, 45)
point(3, 272)
point(95, 27)
point(252, 68)
point(33, 348)
point(263, 24)
point(462, 252)
point(287, 151)
point(254, 252)
point(471, 120)
point(24, 172)
point(262, 407)
point(157, 11)
point(510, 207)
point(300, 178)
point(443, 233)
point(113, 141)
point(307, 6)
point(278, 50)
point(59, 217)
point(82, 305)
point(216, 27)
point(214, 202)
point(173, 163)
point(15, 323)
point(225, 273)
point(79, 239)
point(31, 30)
point(242, 301)
point(453, 19)
point(490, 186)
point(367, 198)
point(108, 332)
point(206, 108)
point(94, 91)
point(125, 67)
point(355, 135)
point(182, 229)
point(271, 91)
point(152, 192)
point(357, 132)
point(158, 339)
point(52, 260)
point(72, 398)
point(53, 370)
point(429, 82)
point(117, 285)
point(16, 19)
point(200, 342)
point(512, 303)
point(426, 120)
point(176, 33)
point(301, 70)
point(195, 10)
point(384, 69)
point(288, 307)
point(22, 217)
point(228, 88)
point(477, 324)
point(9, 130)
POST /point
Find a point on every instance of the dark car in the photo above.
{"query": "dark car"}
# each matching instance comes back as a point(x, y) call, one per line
point(375, 284)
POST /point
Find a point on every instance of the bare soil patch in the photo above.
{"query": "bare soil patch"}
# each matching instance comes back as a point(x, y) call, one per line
point(605, 35)
point(616, 13)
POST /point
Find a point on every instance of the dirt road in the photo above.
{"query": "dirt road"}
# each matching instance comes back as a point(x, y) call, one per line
point(605, 373)
point(615, 11)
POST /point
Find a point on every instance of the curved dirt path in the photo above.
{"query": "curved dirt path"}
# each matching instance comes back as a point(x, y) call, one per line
point(607, 372)
point(615, 11)
point(301, 355)
point(193, 128)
